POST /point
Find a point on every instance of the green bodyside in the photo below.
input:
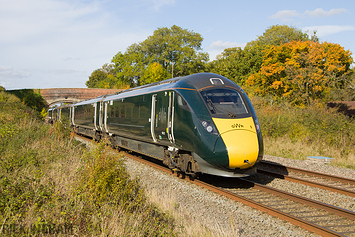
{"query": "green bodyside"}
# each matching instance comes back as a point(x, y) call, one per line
point(130, 117)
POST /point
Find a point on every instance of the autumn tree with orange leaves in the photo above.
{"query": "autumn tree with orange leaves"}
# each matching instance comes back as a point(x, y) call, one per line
point(302, 72)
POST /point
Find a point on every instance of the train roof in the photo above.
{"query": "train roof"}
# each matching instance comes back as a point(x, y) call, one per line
point(197, 82)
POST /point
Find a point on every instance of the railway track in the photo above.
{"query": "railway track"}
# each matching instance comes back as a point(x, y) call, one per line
point(321, 218)
point(314, 179)
point(318, 217)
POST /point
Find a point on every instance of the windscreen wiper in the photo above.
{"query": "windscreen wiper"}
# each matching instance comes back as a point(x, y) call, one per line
point(213, 106)
point(210, 103)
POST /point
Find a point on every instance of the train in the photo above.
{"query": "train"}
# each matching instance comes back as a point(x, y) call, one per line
point(198, 124)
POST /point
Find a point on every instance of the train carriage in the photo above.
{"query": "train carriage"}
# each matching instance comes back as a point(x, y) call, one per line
point(202, 123)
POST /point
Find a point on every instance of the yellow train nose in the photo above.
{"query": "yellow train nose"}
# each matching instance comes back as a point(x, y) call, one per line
point(241, 141)
point(242, 147)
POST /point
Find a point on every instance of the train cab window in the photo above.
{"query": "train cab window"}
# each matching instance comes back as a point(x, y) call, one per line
point(225, 103)
point(182, 103)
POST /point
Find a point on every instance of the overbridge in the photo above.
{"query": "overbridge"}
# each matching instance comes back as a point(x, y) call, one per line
point(73, 95)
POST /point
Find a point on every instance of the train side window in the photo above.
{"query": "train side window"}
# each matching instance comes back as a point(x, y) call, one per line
point(182, 103)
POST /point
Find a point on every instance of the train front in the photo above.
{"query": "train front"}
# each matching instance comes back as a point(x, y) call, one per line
point(233, 132)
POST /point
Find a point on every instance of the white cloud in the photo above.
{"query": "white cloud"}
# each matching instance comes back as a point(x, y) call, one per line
point(328, 29)
point(21, 19)
point(156, 5)
point(285, 14)
point(8, 72)
point(319, 12)
point(59, 42)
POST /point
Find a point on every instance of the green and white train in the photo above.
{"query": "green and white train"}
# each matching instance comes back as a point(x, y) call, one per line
point(202, 123)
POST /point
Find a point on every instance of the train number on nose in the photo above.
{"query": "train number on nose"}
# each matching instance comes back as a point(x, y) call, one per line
point(237, 125)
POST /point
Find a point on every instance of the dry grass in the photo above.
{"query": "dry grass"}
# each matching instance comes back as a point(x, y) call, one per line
point(285, 147)
point(187, 225)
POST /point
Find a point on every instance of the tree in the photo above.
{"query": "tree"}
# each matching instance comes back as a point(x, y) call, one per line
point(97, 79)
point(106, 77)
point(281, 34)
point(176, 46)
point(154, 73)
point(302, 71)
point(168, 47)
point(238, 64)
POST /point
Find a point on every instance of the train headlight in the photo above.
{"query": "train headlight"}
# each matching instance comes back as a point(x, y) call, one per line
point(209, 127)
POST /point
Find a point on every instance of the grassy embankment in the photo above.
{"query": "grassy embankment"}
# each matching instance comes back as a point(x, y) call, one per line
point(312, 131)
point(50, 184)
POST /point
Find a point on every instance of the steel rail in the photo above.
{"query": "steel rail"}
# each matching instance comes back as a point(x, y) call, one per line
point(312, 173)
point(308, 182)
point(307, 201)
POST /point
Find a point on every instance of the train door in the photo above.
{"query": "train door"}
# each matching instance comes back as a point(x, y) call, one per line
point(170, 122)
point(101, 116)
point(73, 116)
point(104, 116)
point(97, 115)
point(162, 117)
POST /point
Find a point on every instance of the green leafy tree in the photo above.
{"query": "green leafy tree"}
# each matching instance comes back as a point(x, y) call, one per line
point(281, 34)
point(175, 49)
point(154, 73)
point(105, 77)
point(96, 79)
point(238, 64)
point(176, 46)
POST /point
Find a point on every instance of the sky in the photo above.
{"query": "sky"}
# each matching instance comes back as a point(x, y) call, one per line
point(59, 43)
